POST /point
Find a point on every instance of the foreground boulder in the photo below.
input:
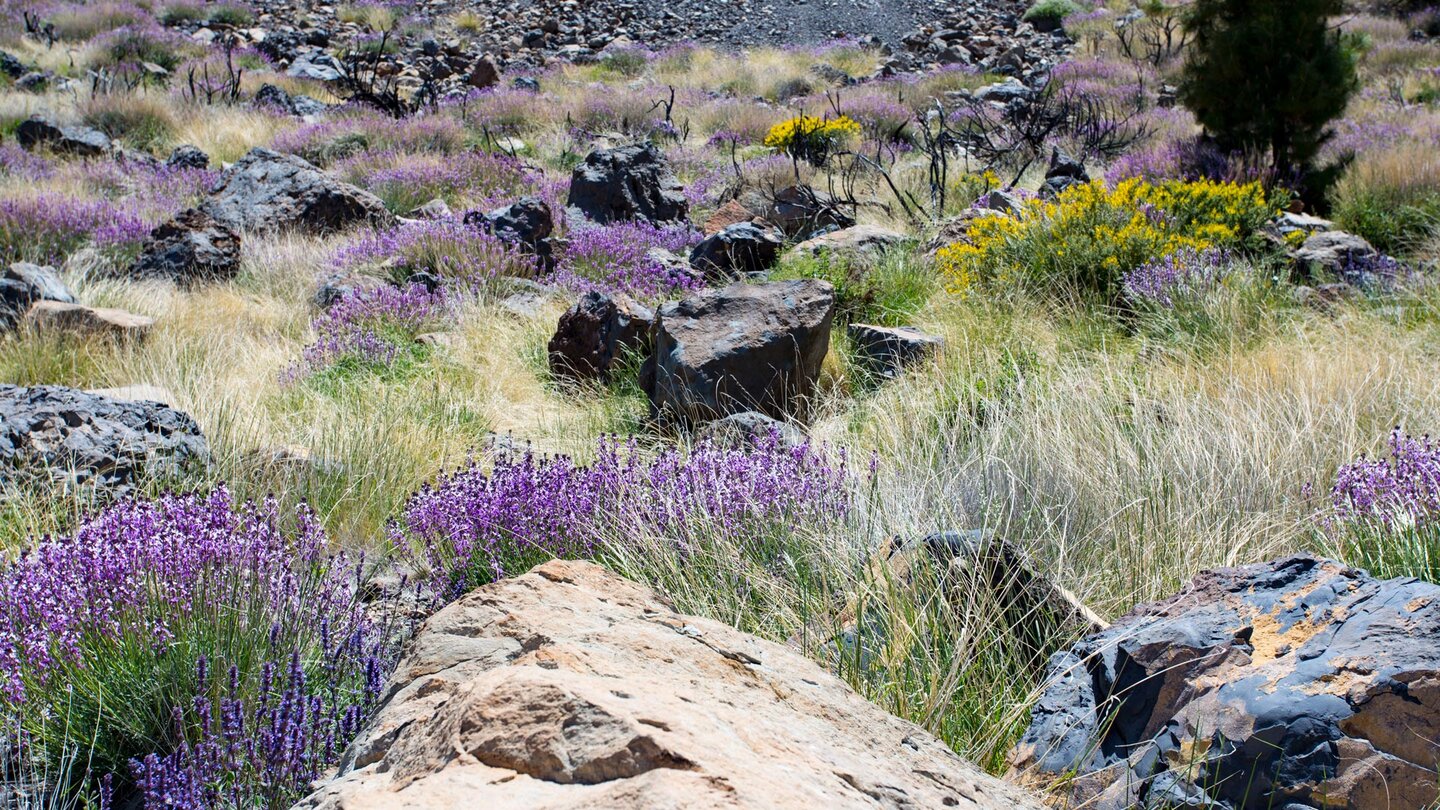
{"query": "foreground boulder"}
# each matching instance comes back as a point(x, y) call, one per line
point(192, 247)
point(267, 191)
point(627, 183)
point(745, 347)
point(1298, 683)
point(569, 687)
point(596, 334)
point(52, 435)
point(80, 141)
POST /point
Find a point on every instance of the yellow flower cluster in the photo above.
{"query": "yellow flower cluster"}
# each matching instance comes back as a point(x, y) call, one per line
point(808, 129)
point(1091, 234)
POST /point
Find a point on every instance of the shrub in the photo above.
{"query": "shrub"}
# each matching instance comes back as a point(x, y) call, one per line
point(469, 21)
point(809, 137)
point(477, 525)
point(618, 259)
point(1391, 197)
point(372, 329)
point(1292, 70)
point(230, 15)
point(629, 61)
point(133, 45)
point(1050, 13)
point(141, 121)
point(82, 22)
point(1386, 511)
point(889, 289)
point(161, 630)
point(186, 11)
point(1090, 237)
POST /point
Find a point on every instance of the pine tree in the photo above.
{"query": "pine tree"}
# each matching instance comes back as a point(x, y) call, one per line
point(1267, 76)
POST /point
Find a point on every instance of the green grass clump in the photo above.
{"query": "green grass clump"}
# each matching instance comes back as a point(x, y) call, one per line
point(888, 288)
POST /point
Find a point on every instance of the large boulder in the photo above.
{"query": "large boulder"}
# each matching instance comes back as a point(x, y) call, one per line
point(57, 436)
point(596, 334)
point(737, 251)
point(570, 687)
point(192, 247)
point(627, 183)
point(1299, 683)
point(267, 191)
point(745, 347)
point(80, 141)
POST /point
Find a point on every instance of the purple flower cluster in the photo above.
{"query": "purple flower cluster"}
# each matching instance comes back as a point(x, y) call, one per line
point(370, 129)
point(621, 258)
point(371, 327)
point(47, 228)
point(1375, 272)
point(188, 580)
point(463, 255)
point(1402, 488)
point(1185, 272)
point(23, 164)
point(476, 525)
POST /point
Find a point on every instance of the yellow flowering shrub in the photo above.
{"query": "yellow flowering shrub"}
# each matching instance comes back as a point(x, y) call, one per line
point(1091, 235)
point(809, 134)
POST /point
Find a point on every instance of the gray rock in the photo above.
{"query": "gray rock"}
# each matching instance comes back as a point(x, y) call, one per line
point(862, 242)
point(56, 436)
point(37, 132)
point(1005, 92)
point(16, 298)
point(1294, 683)
point(266, 191)
point(597, 333)
point(886, 351)
point(627, 183)
point(299, 104)
point(742, 430)
point(737, 251)
point(44, 280)
point(1334, 252)
point(11, 66)
point(316, 65)
point(190, 248)
point(803, 213)
point(740, 348)
point(527, 222)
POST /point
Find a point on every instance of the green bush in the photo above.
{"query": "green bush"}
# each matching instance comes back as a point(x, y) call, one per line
point(1391, 197)
point(1267, 76)
point(231, 15)
point(1050, 12)
point(888, 290)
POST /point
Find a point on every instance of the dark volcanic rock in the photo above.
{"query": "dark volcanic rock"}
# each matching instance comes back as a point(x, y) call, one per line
point(186, 156)
point(74, 140)
point(736, 251)
point(1299, 683)
point(627, 183)
point(268, 191)
point(24, 284)
point(886, 350)
point(51, 435)
point(746, 347)
point(192, 247)
point(15, 300)
point(299, 104)
point(1063, 172)
point(801, 212)
point(596, 333)
point(527, 222)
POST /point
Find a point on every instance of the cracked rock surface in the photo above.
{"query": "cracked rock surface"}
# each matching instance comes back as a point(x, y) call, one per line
point(570, 687)
point(1293, 684)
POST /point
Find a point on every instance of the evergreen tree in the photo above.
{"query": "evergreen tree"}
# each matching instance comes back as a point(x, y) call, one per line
point(1268, 76)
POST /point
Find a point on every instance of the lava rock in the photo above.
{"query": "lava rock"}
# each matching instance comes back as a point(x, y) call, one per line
point(736, 251)
point(56, 436)
point(16, 297)
point(190, 248)
point(740, 348)
point(527, 222)
point(298, 104)
point(186, 156)
point(11, 66)
point(801, 212)
point(37, 132)
point(87, 322)
point(886, 350)
point(316, 65)
point(44, 281)
point(1063, 173)
point(267, 191)
point(1294, 683)
point(627, 183)
point(597, 333)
